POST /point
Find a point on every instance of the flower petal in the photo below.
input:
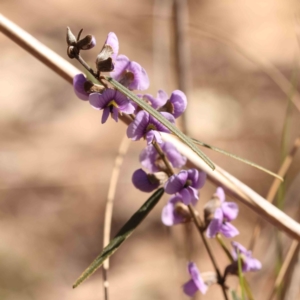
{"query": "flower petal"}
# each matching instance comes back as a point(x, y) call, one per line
point(137, 128)
point(175, 158)
point(215, 224)
point(221, 194)
point(179, 101)
point(230, 210)
point(196, 276)
point(190, 288)
point(105, 115)
point(141, 182)
point(169, 215)
point(121, 64)
point(228, 230)
point(141, 81)
point(148, 158)
point(78, 85)
point(113, 41)
point(176, 182)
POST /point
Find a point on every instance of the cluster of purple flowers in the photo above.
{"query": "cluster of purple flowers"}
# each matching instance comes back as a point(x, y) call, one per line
point(183, 186)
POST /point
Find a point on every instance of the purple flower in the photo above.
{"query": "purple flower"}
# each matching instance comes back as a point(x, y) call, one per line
point(78, 84)
point(176, 105)
point(196, 282)
point(225, 213)
point(145, 182)
point(186, 183)
point(150, 159)
point(146, 126)
point(111, 101)
point(130, 74)
point(170, 215)
point(248, 262)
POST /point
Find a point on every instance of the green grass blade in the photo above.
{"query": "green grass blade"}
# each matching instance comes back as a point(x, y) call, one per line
point(248, 162)
point(121, 236)
point(154, 113)
point(241, 275)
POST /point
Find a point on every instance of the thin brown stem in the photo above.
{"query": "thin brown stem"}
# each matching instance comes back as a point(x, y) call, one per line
point(199, 226)
point(123, 148)
point(292, 252)
point(163, 158)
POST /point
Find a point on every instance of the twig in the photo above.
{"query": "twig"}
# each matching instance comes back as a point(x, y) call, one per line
point(293, 250)
point(219, 177)
point(123, 148)
point(274, 188)
point(182, 58)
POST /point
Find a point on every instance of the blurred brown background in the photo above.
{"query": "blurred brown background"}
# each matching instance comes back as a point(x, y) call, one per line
point(56, 158)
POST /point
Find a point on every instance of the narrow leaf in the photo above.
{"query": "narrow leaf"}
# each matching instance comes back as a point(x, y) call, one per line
point(121, 236)
point(154, 113)
point(241, 275)
point(248, 162)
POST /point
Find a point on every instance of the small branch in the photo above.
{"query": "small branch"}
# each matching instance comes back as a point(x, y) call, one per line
point(123, 148)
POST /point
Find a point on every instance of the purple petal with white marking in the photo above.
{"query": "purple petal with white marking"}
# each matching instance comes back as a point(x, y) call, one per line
point(141, 81)
point(121, 64)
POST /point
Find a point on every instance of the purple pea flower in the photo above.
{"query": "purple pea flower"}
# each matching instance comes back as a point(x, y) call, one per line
point(248, 262)
point(225, 213)
point(78, 84)
point(196, 282)
point(150, 159)
point(146, 126)
point(147, 182)
point(186, 183)
point(111, 101)
point(130, 74)
point(170, 215)
point(176, 105)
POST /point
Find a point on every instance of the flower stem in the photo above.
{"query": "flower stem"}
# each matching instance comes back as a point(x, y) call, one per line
point(224, 247)
point(198, 224)
point(164, 158)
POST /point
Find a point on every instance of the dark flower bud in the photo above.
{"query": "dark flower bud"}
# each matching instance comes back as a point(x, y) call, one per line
point(87, 42)
point(104, 62)
point(71, 39)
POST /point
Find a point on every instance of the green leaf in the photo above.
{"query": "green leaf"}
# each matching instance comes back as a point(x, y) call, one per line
point(154, 113)
point(248, 162)
point(121, 236)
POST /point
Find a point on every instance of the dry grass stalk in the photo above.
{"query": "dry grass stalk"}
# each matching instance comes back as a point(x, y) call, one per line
point(123, 148)
point(221, 178)
point(274, 188)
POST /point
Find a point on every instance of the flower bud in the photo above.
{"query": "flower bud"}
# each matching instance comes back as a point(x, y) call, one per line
point(210, 208)
point(71, 39)
point(87, 42)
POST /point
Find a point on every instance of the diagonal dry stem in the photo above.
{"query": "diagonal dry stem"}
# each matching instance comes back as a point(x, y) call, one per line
point(221, 178)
